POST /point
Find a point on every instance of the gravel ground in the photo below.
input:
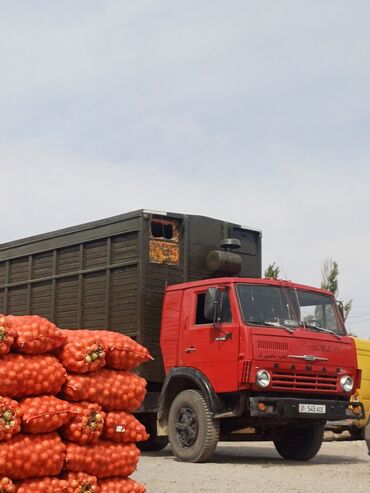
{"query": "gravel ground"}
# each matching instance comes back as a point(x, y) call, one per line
point(339, 467)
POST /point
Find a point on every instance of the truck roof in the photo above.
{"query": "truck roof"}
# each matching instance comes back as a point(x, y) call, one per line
point(103, 222)
point(250, 280)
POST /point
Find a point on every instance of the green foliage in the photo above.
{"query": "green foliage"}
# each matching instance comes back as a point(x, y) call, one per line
point(330, 273)
point(272, 271)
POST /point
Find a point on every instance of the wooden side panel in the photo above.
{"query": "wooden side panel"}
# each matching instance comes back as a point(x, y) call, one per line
point(17, 300)
point(41, 299)
point(2, 301)
point(124, 248)
point(2, 273)
point(18, 270)
point(123, 300)
point(95, 254)
point(66, 303)
point(68, 259)
point(93, 300)
point(42, 265)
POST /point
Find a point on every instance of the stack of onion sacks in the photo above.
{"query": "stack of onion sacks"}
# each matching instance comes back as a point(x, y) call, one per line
point(32, 452)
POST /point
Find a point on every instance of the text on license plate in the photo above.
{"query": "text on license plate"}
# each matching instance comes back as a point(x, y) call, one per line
point(312, 408)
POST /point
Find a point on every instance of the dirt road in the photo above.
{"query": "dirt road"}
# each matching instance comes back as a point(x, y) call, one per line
point(340, 467)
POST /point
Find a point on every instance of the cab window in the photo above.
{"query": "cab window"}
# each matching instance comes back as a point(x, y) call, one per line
point(225, 315)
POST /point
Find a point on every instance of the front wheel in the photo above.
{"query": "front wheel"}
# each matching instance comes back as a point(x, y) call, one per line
point(300, 442)
point(192, 431)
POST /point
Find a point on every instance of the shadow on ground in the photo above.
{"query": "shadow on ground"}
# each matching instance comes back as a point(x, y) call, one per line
point(267, 457)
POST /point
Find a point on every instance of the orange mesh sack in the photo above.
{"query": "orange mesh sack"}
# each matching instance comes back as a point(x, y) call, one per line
point(6, 485)
point(103, 460)
point(112, 389)
point(80, 482)
point(35, 335)
point(83, 352)
point(32, 456)
point(22, 375)
point(118, 485)
point(44, 414)
point(123, 353)
point(45, 485)
point(123, 427)
point(86, 426)
point(7, 336)
point(10, 418)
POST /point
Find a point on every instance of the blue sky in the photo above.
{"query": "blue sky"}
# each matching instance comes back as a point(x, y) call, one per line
point(253, 112)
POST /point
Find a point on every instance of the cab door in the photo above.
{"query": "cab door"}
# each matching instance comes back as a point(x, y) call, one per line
point(213, 351)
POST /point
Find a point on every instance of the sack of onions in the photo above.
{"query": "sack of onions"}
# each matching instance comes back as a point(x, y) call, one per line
point(123, 353)
point(119, 485)
point(86, 425)
point(83, 352)
point(112, 389)
point(32, 456)
point(120, 426)
point(44, 414)
point(35, 335)
point(7, 335)
point(10, 418)
point(6, 485)
point(44, 485)
point(23, 375)
point(80, 482)
point(103, 460)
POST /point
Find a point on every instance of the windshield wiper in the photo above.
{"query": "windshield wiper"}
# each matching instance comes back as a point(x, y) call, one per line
point(278, 325)
point(320, 329)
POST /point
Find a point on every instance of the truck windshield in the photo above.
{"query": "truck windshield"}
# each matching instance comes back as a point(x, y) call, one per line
point(288, 308)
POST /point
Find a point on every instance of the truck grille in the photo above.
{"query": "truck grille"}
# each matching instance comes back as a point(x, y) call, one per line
point(321, 382)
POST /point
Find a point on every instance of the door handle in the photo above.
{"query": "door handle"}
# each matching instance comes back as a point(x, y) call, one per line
point(190, 349)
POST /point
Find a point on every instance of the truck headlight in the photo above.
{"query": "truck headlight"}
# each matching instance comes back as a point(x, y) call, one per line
point(263, 378)
point(346, 383)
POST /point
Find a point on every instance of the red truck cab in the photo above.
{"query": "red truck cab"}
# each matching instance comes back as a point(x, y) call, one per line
point(256, 359)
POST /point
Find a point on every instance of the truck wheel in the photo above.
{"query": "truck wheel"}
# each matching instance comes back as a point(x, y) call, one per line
point(192, 431)
point(300, 443)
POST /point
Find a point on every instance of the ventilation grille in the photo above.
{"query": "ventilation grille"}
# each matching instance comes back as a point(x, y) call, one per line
point(272, 345)
point(246, 371)
point(302, 381)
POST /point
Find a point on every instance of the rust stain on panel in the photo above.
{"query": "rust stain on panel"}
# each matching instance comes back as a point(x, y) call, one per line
point(164, 252)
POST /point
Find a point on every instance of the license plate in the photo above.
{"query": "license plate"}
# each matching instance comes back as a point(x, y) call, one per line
point(312, 408)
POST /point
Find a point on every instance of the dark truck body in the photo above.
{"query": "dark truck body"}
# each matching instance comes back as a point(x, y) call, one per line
point(112, 273)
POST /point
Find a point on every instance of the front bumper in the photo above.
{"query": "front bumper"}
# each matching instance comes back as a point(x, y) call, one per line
point(285, 407)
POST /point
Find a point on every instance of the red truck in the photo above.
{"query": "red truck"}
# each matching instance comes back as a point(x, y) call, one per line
point(237, 357)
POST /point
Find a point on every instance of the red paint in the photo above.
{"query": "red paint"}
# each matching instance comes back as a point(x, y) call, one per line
point(232, 364)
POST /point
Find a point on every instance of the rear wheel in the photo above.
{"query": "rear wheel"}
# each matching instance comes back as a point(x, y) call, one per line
point(192, 431)
point(300, 442)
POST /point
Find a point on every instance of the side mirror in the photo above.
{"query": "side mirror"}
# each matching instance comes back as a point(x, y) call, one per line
point(213, 304)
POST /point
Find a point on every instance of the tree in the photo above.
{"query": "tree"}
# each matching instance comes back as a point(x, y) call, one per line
point(272, 271)
point(330, 273)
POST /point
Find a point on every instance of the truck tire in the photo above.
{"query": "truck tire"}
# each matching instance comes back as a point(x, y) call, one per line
point(300, 442)
point(192, 431)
